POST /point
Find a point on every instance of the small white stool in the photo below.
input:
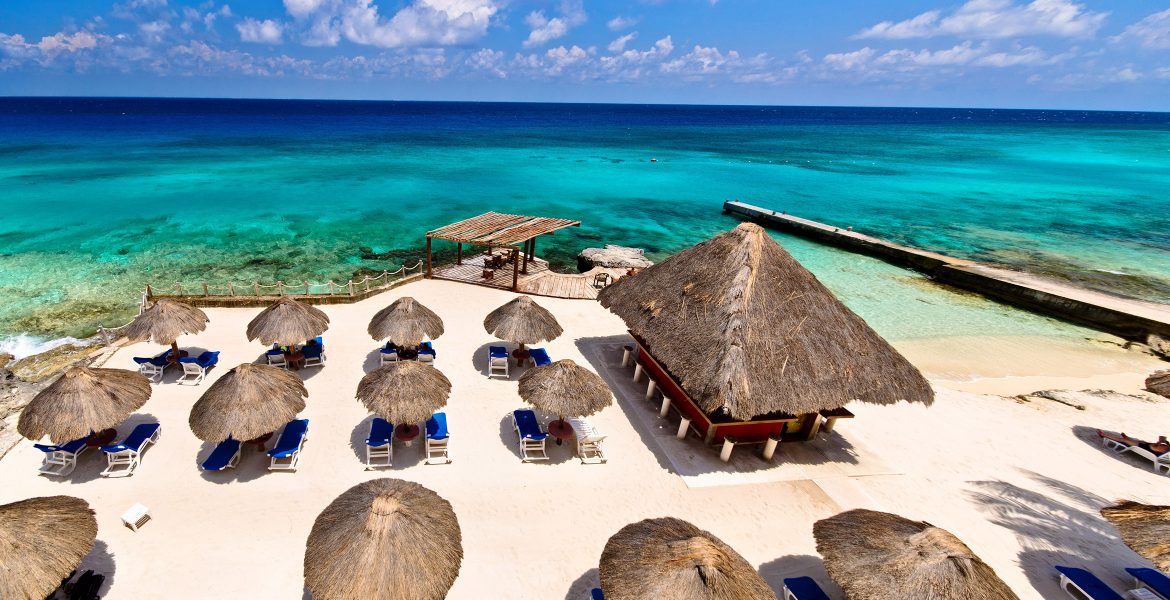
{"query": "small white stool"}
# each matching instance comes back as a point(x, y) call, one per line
point(136, 516)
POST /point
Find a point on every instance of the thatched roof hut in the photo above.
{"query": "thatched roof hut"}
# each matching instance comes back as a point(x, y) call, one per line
point(248, 402)
point(565, 388)
point(874, 555)
point(404, 392)
point(671, 559)
point(41, 541)
point(522, 321)
point(165, 321)
point(1143, 527)
point(287, 322)
point(1159, 383)
point(405, 323)
point(745, 330)
point(83, 400)
point(384, 538)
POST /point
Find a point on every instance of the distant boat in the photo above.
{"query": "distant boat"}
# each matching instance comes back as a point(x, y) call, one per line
point(653, 160)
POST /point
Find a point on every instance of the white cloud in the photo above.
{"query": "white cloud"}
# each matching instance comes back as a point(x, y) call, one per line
point(561, 58)
point(619, 23)
point(73, 42)
point(619, 44)
point(260, 32)
point(153, 32)
point(544, 29)
point(419, 23)
point(906, 64)
point(302, 8)
point(990, 19)
point(1152, 32)
point(488, 60)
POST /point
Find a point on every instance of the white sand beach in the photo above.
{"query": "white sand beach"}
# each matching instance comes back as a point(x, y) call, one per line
point(1020, 481)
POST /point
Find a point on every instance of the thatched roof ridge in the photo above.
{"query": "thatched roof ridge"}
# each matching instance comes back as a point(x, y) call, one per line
point(165, 321)
point(1143, 527)
point(565, 388)
point(404, 392)
point(384, 538)
point(41, 541)
point(287, 322)
point(522, 321)
point(671, 559)
point(874, 555)
point(248, 402)
point(83, 400)
point(406, 322)
point(746, 330)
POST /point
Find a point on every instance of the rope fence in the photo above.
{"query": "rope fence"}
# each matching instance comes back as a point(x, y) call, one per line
point(281, 288)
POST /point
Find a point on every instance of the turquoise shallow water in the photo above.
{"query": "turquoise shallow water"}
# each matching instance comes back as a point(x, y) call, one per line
point(102, 196)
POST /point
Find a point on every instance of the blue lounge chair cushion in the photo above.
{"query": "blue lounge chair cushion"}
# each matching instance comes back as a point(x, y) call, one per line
point(312, 351)
point(1095, 588)
point(425, 348)
point(203, 360)
point(528, 425)
point(437, 427)
point(142, 360)
point(70, 447)
point(805, 588)
point(219, 458)
point(290, 439)
point(135, 440)
point(381, 431)
point(1153, 578)
point(389, 349)
point(274, 352)
point(539, 357)
point(497, 352)
point(596, 594)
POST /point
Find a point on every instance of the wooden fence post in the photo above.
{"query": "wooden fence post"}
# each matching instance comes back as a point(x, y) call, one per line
point(279, 288)
point(256, 288)
point(306, 287)
point(149, 291)
point(178, 288)
point(206, 293)
point(367, 283)
point(231, 289)
point(351, 288)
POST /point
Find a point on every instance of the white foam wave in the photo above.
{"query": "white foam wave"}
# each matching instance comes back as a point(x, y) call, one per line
point(21, 346)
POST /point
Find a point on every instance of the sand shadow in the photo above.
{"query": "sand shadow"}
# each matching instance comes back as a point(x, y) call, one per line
point(1056, 523)
point(556, 454)
point(479, 361)
point(1089, 436)
point(798, 565)
point(252, 464)
point(404, 456)
point(373, 360)
point(582, 586)
point(102, 562)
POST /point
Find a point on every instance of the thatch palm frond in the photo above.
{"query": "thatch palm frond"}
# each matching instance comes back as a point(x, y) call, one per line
point(522, 321)
point(404, 392)
point(1143, 527)
point(565, 388)
point(405, 323)
point(247, 402)
point(165, 321)
point(41, 541)
point(287, 322)
point(83, 400)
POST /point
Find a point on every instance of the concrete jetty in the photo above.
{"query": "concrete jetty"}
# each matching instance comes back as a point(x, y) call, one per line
point(1126, 317)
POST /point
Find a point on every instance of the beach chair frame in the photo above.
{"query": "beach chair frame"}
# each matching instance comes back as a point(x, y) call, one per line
point(1075, 590)
point(589, 441)
point(1161, 463)
point(60, 463)
point(290, 462)
point(276, 359)
point(530, 449)
point(230, 464)
point(381, 455)
point(151, 371)
point(123, 463)
point(497, 365)
point(387, 358)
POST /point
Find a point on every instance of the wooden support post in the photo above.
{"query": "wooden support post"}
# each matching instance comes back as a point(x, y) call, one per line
point(683, 425)
point(307, 287)
point(728, 446)
point(459, 253)
point(650, 388)
point(367, 283)
point(665, 409)
point(428, 257)
point(770, 446)
point(279, 288)
point(516, 272)
point(637, 372)
point(206, 293)
point(178, 288)
point(256, 288)
point(231, 289)
point(526, 252)
point(626, 352)
point(149, 291)
point(532, 248)
point(351, 287)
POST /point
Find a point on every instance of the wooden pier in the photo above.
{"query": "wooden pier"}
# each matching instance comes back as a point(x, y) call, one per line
point(1126, 317)
point(538, 281)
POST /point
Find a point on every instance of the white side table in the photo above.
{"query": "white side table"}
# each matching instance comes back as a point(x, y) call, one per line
point(136, 516)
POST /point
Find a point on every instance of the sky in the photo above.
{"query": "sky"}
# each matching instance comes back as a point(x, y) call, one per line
point(980, 53)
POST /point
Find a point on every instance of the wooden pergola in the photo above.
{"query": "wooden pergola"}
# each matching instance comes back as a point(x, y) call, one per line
point(497, 229)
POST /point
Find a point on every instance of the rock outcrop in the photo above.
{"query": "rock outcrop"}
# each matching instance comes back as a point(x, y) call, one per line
point(1159, 383)
point(1159, 344)
point(613, 257)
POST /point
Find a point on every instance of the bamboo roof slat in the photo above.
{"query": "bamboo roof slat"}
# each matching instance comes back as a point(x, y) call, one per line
point(498, 229)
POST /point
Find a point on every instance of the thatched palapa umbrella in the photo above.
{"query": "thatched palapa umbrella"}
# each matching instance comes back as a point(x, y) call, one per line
point(1145, 528)
point(287, 322)
point(406, 322)
point(522, 321)
point(165, 321)
point(747, 331)
point(565, 388)
point(41, 541)
point(83, 400)
point(404, 393)
point(671, 559)
point(874, 555)
point(384, 538)
point(247, 402)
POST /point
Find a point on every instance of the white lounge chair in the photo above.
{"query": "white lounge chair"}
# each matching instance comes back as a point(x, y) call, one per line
point(380, 444)
point(497, 361)
point(588, 441)
point(125, 456)
point(426, 357)
point(314, 354)
point(530, 434)
point(60, 460)
point(195, 368)
point(276, 359)
point(437, 438)
point(386, 357)
point(1161, 461)
point(287, 451)
point(1083, 585)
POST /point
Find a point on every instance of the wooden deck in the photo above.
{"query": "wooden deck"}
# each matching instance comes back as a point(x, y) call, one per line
point(539, 281)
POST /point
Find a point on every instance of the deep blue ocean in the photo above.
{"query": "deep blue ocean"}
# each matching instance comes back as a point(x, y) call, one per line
point(100, 196)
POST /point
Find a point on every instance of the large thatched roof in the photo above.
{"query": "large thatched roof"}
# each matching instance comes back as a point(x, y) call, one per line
point(82, 401)
point(404, 392)
point(41, 541)
point(1145, 528)
point(874, 555)
point(565, 388)
point(385, 538)
point(522, 321)
point(745, 329)
point(406, 322)
point(247, 402)
point(165, 321)
point(671, 559)
point(287, 322)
